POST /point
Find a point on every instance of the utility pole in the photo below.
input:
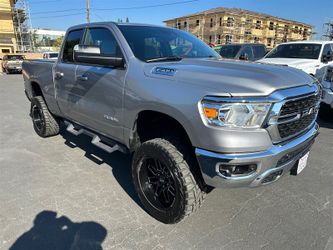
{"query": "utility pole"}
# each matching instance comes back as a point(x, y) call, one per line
point(88, 11)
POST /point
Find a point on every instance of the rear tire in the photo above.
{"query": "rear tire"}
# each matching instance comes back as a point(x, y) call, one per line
point(164, 183)
point(45, 124)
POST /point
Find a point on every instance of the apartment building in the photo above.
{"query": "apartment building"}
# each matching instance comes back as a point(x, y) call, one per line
point(233, 25)
point(7, 33)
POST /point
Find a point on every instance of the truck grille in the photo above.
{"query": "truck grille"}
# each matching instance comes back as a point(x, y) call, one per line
point(297, 115)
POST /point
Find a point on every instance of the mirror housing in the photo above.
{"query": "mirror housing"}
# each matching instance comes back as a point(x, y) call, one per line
point(92, 55)
point(244, 57)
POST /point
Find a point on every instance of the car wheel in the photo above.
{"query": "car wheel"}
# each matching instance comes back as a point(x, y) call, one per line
point(164, 182)
point(45, 124)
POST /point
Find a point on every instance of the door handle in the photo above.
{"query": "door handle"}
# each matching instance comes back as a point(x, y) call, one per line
point(58, 75)
point(82, 78)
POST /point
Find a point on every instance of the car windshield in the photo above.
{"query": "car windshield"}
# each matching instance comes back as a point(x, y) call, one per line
point(296, 50)
point(15, 57)
point(153, 43)
point(53, 55)
point(229, 51)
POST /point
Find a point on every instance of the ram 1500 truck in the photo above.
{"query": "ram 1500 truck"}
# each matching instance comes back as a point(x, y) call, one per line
point(189, 119)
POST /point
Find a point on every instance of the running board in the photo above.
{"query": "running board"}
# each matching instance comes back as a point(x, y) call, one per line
point(96, 140)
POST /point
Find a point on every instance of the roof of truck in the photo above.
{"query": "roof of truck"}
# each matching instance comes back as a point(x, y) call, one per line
point(115, 23)
point(310, 41)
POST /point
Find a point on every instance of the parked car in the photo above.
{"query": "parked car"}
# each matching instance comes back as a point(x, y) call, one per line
point(12, 63)
point(326, 109)
point(246, 51)
point(189, 119)
point(50, 55)
point(309, 56)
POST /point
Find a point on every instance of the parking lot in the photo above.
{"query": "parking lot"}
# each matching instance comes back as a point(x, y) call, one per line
point(70, 191)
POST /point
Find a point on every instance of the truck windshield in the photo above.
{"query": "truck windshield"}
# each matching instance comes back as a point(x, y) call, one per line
point(296, 50)
point(152, 43)
point(15, 57)
point(229, 51)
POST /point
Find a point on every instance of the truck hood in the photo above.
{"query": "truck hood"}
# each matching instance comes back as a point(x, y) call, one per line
point(233, 77)
point(298, 63)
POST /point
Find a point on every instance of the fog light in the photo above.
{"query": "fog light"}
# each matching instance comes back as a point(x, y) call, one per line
point(237, 170)
point(272, 177)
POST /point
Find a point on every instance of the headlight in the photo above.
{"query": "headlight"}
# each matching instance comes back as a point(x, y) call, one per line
point(237, 114)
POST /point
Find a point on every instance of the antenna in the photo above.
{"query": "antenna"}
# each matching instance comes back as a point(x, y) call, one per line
point(88, 11)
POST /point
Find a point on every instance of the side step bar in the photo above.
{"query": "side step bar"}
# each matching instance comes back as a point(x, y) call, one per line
point(96, 140)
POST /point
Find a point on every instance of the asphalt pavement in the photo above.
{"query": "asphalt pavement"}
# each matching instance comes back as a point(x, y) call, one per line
point(70, 193)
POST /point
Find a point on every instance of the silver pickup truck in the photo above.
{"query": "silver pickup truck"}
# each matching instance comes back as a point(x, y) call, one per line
point(190, 120)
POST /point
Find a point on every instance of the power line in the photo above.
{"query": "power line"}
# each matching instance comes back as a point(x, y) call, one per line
point(73, 14)
point(55, 11)
point(147, 6)
point(110, 9)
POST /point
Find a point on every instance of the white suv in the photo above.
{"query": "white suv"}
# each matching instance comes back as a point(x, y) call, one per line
point(309, 56)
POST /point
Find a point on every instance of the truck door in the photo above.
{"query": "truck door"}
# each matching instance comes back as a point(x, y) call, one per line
point(66, 89)
point(101, 87)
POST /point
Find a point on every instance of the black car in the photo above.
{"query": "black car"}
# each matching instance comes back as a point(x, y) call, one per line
point(246, 51)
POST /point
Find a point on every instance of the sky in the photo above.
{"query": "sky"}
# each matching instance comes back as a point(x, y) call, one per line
point(61, 14)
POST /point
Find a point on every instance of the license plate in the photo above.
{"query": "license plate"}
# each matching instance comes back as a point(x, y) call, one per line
point(302, 163)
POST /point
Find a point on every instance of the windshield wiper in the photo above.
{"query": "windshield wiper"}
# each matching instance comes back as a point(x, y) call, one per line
point(166, 58)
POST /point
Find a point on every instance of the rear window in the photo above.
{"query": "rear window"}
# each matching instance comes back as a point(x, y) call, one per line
point(53, 55)
point(14, 57)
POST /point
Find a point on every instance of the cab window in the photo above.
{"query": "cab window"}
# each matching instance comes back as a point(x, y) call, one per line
point(74, 37)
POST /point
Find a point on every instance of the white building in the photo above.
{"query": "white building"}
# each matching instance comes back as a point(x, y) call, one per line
point(44, 39)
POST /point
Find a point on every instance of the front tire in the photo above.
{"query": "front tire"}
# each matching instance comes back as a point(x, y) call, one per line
point(45, 124)
point(164, 182)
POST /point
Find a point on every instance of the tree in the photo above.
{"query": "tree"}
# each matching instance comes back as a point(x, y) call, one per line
point(57, 43)
point(127, 20)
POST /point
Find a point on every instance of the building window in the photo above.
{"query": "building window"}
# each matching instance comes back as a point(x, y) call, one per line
point(286, 28)
point(300, 31)
point(228, 39)
point(256, 39)
point(5, 50)
point(219, 39)
point(210, 39)
point(220, 21)
point(247, 32)
point(211, 22)
point(271, 26)
point(269, 42)
point(230, 22)
point(296, 29)
point(258, 25)
point(198, 23)
point(185, 25)
point(178, 25)
point(305, 32)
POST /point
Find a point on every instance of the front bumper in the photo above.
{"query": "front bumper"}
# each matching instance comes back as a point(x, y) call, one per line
point(328, 96)
point(275, 162)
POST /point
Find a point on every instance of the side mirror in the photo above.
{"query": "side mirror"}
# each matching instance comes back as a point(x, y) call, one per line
point(92, 55)
point(324, 59)
point(244, 57)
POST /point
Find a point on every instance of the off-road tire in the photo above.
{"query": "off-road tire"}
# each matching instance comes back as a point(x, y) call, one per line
point(50, 124)
point(189, 195)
